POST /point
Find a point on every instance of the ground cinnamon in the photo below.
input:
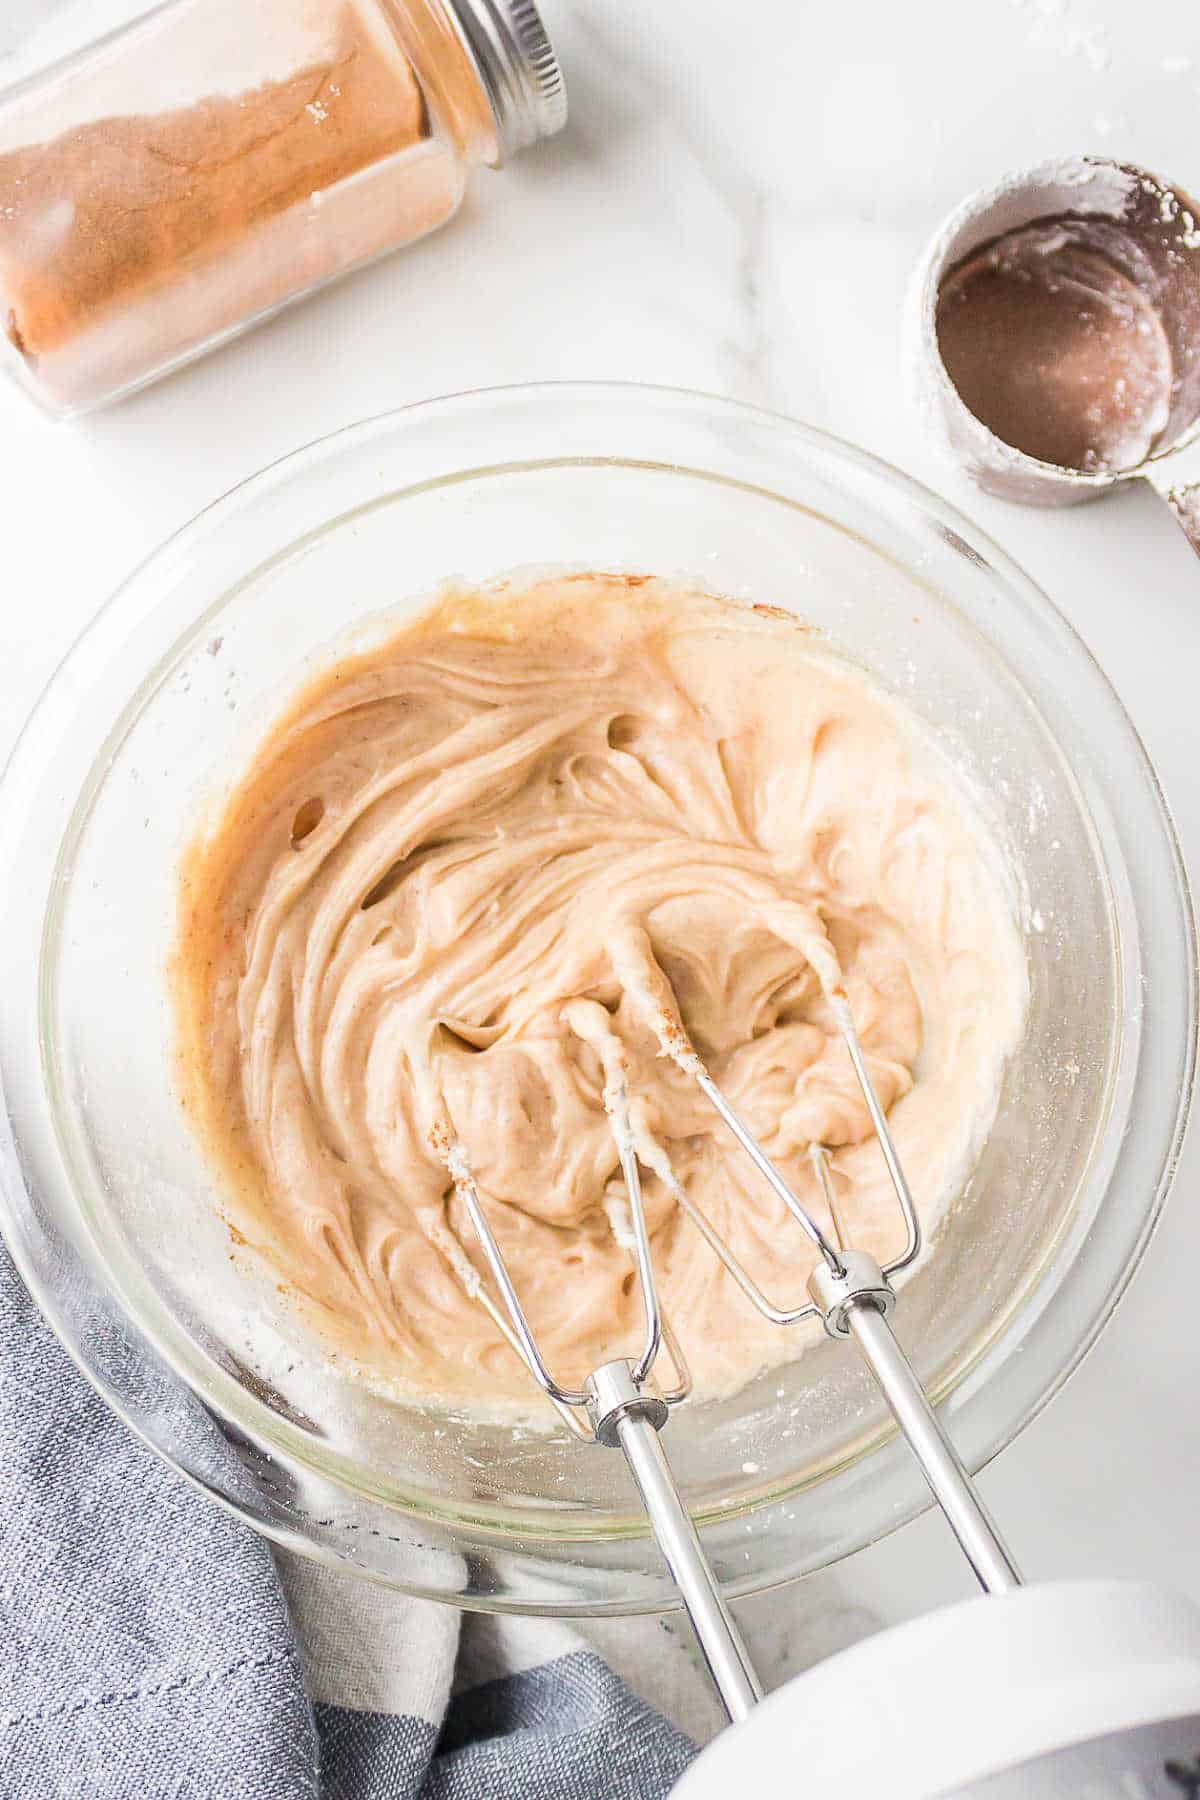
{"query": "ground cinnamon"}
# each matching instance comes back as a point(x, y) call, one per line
point(128, 242)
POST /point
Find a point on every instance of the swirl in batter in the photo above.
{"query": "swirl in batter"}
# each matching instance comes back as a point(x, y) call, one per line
point(517, 845)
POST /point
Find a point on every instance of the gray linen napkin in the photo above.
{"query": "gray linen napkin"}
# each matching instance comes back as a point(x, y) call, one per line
point(148, 1650)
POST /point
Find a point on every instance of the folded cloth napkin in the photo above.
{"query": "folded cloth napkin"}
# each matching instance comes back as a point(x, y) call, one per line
point(149, 1649)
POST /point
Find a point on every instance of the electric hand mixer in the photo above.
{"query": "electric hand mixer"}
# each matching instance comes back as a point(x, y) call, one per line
point(1072, 1688)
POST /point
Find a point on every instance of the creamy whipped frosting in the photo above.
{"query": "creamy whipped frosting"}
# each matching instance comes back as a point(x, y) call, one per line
point(518, 854)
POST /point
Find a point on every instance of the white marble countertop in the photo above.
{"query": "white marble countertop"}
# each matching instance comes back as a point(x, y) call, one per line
point(737, 205)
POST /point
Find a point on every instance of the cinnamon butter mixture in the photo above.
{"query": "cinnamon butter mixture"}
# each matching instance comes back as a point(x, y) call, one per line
point(514, 853)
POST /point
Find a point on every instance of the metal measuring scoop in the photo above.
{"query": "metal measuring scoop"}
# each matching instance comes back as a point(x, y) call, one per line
point(1064, 222)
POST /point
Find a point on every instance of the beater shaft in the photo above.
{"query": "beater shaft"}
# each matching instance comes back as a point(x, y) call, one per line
point(624, 1415)
point(724, 1652)
point(857, 1304)
point(939, 1461)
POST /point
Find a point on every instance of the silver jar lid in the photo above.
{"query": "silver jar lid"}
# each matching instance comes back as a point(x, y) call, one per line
point(517, 66)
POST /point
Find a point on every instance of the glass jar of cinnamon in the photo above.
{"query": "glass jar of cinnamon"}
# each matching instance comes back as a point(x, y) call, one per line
point(217, 159)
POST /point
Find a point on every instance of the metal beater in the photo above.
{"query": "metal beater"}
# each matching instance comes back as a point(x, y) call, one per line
point(848, 1290)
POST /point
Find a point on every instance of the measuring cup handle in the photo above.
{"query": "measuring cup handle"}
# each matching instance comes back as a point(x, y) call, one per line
point(1184, 502)
point(1177, 479)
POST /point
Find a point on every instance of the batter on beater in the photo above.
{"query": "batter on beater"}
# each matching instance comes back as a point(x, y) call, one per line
point(521, 845)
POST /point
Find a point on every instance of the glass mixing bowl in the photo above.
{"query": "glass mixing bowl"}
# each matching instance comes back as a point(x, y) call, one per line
point(108, 1207)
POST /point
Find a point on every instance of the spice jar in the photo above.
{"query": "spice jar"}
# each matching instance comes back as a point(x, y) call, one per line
point(217, 159)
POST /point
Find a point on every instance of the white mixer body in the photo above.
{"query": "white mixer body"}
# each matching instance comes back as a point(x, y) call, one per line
point(1084, 1688)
